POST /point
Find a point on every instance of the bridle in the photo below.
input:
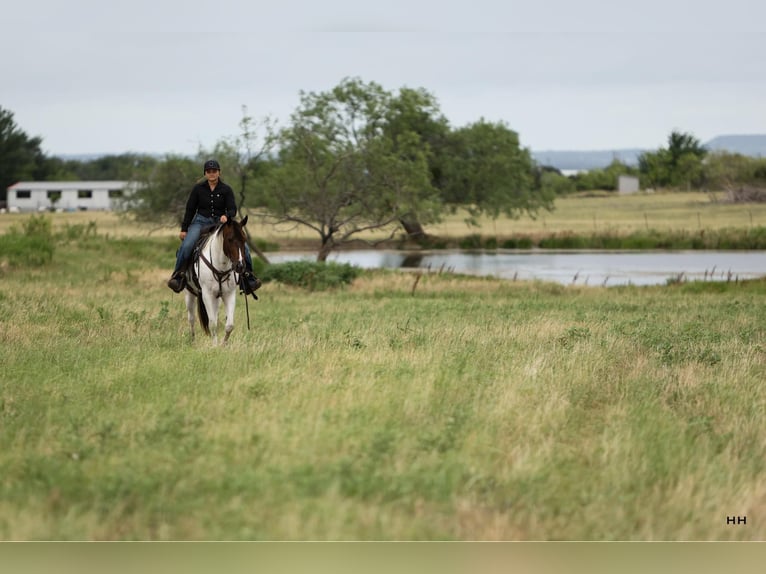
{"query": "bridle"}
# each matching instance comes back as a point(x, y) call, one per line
point(221, 275)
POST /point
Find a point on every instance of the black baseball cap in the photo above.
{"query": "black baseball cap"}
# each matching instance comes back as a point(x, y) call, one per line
point(211, 164)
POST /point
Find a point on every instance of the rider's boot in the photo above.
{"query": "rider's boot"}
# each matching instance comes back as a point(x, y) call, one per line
point(249, 283)
point(177, 281)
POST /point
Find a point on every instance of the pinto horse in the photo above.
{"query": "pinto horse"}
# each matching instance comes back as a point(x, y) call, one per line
point(213, 276)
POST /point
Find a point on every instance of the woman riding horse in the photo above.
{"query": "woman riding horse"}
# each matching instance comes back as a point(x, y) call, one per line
point(210, 202)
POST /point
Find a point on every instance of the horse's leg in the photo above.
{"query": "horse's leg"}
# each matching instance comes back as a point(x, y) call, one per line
point(211, 304)
point(190, 312)
point(230, 300)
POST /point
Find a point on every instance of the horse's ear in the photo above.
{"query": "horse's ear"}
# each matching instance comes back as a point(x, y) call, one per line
point(243, 222)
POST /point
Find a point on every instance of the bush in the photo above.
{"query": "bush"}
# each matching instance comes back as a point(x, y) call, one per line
point(520, 242)
point(312, 275)
point(38, 226)
point(470, 242)
point(565, 241)
point(32, 246)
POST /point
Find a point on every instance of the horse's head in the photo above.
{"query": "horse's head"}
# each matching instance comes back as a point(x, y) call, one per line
point(234, 241)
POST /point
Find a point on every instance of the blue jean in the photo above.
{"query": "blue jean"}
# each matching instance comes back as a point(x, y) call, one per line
point(199, 223)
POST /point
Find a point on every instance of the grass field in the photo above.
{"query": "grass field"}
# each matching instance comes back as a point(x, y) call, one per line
point(473, 409)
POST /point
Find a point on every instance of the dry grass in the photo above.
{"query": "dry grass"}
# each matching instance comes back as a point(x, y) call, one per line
point(622, 214)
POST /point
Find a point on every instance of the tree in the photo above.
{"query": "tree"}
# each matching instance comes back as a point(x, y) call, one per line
point(553, 182)
point(486, 170)
point(743, 178)
point(243, 156)
point(680, 164)
point(20, 155)
point(127, 166)
point(162, 192)
point(604, 179)
point(343, 170)
point(415, 112)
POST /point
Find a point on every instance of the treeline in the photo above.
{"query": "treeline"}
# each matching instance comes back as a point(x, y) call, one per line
point(683, 165)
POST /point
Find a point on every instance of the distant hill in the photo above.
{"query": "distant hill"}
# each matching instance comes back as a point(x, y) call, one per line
point(751, 145)
point(586, 159)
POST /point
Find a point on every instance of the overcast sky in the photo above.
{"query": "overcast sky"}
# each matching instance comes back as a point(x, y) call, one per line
point(169, 76)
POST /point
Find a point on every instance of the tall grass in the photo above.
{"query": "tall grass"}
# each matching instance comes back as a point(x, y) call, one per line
point(467, 408)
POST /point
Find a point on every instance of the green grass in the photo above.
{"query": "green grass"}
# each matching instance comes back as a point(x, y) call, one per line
point(473, 409)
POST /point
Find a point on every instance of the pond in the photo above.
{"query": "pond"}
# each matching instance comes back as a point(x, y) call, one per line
point(582, 268)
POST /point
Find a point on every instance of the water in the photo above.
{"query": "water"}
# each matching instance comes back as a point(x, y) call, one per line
point(589, 268)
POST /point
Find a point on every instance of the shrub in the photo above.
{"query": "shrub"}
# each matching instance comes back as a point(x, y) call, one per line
point(312, 275)
point(470, 242)
point(32, 246)
point(520, 242)
point(22, 250)
point(564, 241)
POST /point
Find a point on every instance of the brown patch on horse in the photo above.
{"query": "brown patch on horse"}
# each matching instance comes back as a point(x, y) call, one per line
point(233, 239)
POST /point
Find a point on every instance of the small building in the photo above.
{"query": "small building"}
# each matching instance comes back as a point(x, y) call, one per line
point(68, 195)
point(627, 184)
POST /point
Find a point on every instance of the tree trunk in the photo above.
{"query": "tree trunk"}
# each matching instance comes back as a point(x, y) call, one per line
point(414, 229)
point(325, 249)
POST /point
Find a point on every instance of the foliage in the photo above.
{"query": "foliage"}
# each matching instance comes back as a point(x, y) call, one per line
point(489, 172)
point(340, 173)
point(163, 191)
point(244, 154)
point(714, 239)
point(603, 179)
point(553, 183)
point(727, 171)
point(126, 167)
point(313, 275)
point(21, 156)
point(30, 247)
point(679, 165)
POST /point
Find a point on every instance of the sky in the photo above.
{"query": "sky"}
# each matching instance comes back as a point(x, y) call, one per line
point(172, 76)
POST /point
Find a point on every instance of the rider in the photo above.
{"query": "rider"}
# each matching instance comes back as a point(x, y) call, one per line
point(210, 202)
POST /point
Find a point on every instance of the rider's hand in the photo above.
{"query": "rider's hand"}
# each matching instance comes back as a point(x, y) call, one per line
point(224, 219)
point(182, 235)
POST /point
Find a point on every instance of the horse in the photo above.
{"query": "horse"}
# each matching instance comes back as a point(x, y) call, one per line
point(213, 276)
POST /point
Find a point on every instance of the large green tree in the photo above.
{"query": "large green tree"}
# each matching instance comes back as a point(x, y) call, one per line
point(488, 172)
point(415, 113)
point(21, 157)
point(342, 170)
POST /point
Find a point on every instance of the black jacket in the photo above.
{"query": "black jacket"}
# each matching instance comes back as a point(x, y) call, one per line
point(209, 203)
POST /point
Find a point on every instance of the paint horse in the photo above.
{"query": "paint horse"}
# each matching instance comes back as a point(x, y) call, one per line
point(213, 277)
